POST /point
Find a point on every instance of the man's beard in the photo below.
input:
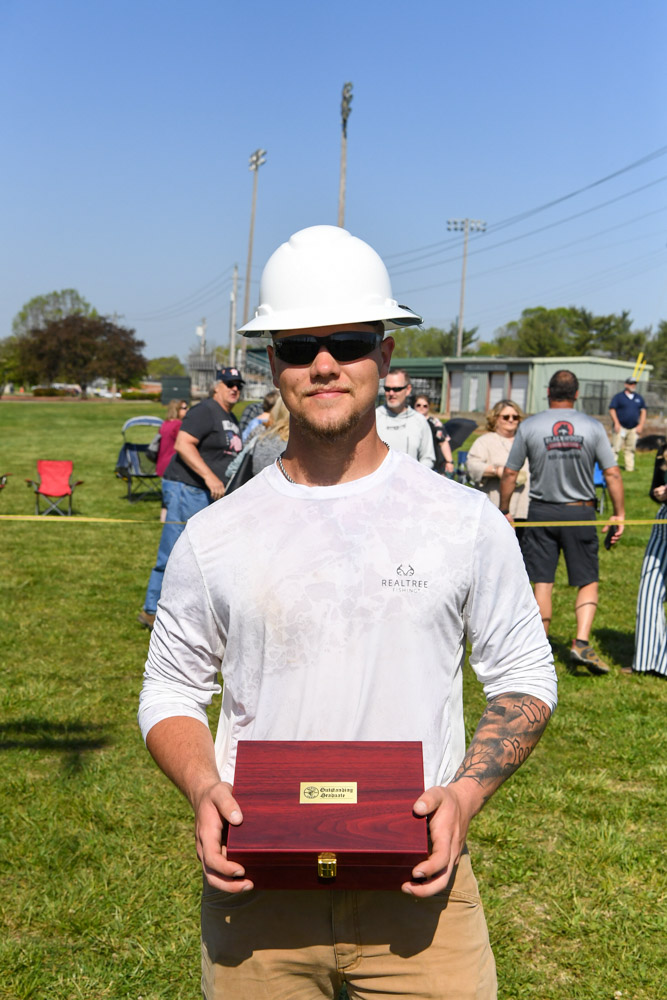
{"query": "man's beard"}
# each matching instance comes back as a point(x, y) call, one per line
point(334, 431)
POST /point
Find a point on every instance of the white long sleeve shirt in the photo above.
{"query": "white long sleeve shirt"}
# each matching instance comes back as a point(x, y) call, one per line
point(341, 613)
point(407, 431)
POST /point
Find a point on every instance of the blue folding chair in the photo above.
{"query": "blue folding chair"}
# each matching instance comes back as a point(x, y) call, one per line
point(135, 464)
point(461, 470)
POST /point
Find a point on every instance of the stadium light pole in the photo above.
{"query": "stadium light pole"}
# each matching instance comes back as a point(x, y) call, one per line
point(465, 226)
point(345, 110)
point(256, 160)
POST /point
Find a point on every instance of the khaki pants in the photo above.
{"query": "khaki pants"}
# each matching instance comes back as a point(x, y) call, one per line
point(626, 439)
point(302, 945)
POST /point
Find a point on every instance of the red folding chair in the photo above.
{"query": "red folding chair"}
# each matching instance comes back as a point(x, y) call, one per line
point(3, 480)
point(54, 486)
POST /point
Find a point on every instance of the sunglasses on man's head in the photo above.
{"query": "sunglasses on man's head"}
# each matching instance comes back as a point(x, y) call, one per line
point(346, 345)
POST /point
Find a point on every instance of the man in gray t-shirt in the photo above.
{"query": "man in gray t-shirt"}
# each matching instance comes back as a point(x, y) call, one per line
point(562, 447)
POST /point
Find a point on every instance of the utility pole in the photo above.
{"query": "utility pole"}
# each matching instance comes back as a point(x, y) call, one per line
point(345, 111)
point(465, 226)
point(114, 387)
point(232, 317)
point(201, 333)
point(256, 160)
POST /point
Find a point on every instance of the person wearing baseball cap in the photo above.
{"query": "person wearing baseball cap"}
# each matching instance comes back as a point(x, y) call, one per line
point(334, 594)
point(628, 416)
point(208, 440)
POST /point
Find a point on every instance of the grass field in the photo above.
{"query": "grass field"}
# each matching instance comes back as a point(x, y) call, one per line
point(99, 880)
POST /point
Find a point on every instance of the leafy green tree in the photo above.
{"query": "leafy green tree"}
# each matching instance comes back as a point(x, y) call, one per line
point(165, 366)
point(411, 342)
point(541, 332)
point(499, 347)
point(10, 369)
point(656, 351)
point(80, 349)
point(569, 331)
point(616, 337)
point(44, 309)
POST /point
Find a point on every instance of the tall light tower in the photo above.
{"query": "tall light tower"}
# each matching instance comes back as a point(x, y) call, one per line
point(256, 160)
point(345, 111)
point(465, 226)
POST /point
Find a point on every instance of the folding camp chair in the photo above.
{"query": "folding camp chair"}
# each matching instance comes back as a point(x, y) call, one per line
point(458, 429)
point(3, 480)
point(54, 485)
point(134, 463)
point(461, 469)
point(600, 489)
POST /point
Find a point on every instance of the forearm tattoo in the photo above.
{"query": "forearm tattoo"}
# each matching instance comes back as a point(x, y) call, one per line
point(506, 734)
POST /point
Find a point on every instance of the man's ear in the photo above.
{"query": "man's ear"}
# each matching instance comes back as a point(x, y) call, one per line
point(272, 362)
point(386, 350)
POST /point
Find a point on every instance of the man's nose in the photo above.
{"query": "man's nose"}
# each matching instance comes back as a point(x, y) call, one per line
point(324, 362)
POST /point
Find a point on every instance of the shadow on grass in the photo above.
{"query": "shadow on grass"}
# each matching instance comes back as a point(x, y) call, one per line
point(561, 650)
point(72, 739)
point(610, 643)
point(620, 646)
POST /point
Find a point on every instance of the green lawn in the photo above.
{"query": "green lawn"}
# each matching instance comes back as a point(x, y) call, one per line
point(99, 879)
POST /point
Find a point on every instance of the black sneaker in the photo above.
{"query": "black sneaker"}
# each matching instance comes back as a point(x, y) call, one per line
point(589, 658)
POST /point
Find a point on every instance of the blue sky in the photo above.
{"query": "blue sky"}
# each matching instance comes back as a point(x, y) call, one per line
point(128, 128)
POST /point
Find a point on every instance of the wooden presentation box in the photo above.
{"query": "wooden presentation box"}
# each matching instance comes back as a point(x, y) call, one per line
point(328, 815)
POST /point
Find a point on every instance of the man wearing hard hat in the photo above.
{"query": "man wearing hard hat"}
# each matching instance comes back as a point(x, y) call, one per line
point(335, 593)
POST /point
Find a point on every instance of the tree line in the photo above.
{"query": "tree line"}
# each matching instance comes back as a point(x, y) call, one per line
point(540, 332)
point(60, 337)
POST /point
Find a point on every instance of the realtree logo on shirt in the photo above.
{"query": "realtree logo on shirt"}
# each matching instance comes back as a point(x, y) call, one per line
point(563, 438)
point(404, 581)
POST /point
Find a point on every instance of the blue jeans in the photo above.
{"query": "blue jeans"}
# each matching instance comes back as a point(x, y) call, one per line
point(181, 501)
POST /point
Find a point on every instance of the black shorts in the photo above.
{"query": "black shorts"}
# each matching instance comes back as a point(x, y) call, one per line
point(541, 547)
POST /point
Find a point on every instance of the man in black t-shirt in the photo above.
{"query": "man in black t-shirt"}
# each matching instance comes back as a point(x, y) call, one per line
point(207, 441)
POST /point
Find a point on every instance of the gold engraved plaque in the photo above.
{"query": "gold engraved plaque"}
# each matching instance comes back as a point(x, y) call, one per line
point(315, 793)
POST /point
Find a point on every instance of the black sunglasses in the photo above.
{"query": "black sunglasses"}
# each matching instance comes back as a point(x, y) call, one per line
point(346, 345)
point(395, 388)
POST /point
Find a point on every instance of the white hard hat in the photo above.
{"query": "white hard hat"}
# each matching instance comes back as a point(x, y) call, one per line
point(322, 276)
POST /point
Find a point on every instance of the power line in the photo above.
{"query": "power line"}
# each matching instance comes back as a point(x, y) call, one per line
point(545, 253)
point(512, 220)
point(586, 285)
point(588, 187)
point(154, 313)
point(191, 309)
point(486, 247)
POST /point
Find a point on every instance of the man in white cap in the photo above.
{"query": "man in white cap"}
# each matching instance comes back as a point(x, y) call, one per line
point(628, 416)
point(292, 589)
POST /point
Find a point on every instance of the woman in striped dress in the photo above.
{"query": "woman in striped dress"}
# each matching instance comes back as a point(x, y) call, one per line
point(651, 630)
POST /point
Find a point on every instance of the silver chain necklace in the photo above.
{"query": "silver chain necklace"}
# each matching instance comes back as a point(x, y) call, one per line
point(286, 473)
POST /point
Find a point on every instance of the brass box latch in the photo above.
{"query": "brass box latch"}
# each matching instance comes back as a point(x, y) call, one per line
point(326, 865)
